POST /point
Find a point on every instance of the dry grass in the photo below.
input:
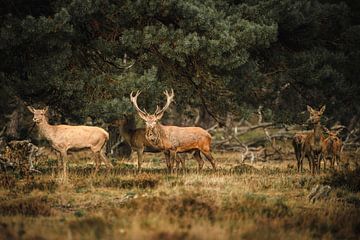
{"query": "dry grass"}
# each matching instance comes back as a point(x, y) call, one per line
point(263, 201)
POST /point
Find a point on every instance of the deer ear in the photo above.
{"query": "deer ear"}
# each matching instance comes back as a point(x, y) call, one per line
point(31, 109)
point(322, 110)
point(46, 109)
point(310, 109)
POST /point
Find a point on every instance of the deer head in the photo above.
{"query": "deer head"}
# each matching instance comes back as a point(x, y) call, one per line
point(332, 133)
point(39, 114)
point(151, 120)
point(315, 115)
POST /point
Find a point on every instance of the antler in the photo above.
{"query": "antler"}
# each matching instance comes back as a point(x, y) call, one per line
point(133, 99)
point(169, 98)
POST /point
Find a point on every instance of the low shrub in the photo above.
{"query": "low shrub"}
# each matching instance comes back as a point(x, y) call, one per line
point(29, 206)
point(347, 178)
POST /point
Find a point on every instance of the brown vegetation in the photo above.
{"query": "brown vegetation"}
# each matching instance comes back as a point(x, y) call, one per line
point(264, 200)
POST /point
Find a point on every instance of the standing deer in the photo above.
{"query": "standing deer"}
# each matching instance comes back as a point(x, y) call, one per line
point(65, 137)
point(137, 141)
point(297, 142)
point(172, 138)
point(312, 145)
point(331, 147)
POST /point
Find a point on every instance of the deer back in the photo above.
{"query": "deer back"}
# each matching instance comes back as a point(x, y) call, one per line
point(76, 136)
point(182, 139)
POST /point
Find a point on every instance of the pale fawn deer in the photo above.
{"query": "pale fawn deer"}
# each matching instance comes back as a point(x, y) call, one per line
point(172, 138)
point(135, 138)
point(312, 145)
point(65, 137)
point(331, 147)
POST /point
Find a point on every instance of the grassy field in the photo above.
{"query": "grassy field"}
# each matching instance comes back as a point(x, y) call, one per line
point(267, 200)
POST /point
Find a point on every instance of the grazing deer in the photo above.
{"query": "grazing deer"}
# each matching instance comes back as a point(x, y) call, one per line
point(172, 138)
point(137, 141)
point(65, 137)
point(331, 147)
point(312, 145)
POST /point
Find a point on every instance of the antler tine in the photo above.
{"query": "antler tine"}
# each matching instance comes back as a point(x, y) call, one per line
point(133, 99)
point(169, 99)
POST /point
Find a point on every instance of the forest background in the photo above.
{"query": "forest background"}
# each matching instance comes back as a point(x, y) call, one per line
point(222, 57)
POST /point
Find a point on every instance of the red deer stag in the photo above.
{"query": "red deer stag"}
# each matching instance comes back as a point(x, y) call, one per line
point(65, 137)
point(331, 147)
point(137, 141)
point(312, 146)
point(172, 138)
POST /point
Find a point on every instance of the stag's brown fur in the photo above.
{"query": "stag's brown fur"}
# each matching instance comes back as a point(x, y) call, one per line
point(312, 147)
point(172, 138)
point(138, 142)
point(65, 137)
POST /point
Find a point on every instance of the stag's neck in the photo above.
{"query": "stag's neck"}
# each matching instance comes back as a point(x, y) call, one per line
point(47, 130)
point(161, 137)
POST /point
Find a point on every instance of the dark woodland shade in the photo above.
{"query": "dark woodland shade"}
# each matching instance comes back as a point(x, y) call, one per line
point(220, 55)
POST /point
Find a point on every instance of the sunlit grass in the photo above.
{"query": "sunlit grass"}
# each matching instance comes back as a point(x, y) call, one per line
point(265, 200)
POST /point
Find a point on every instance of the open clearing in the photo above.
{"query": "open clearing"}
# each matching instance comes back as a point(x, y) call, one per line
point(265, 201)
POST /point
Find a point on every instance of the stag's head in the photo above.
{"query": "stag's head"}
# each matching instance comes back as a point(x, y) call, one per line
point(315, 115)
point(39, 114)
point(152, 119)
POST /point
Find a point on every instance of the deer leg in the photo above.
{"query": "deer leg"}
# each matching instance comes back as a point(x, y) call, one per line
point(105, 159)
point(182, 161)
point(200, 161)
point(210, 158)
point(172, 159)
point(64, 158)
point(167, 160)
point(140, 153)
point(96, 158)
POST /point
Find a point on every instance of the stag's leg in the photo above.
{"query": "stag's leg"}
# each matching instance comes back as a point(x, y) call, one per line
point(172, 160)
point(181, 158)
point(200, 161)
point(140, 154)
point(210, 158)
point(167, 160)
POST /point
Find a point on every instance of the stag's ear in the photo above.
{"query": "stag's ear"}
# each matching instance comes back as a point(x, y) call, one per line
point(322, 110)
point(159, 116)
point(46, 109)
point(31, 109)
point(310, 109)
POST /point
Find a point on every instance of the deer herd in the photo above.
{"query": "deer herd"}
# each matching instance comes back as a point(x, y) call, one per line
point(174, 140)
point(315, 146)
